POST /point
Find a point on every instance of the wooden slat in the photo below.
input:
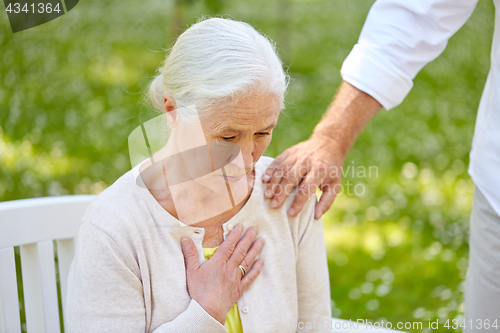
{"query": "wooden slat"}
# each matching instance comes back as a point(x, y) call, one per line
point(49, 286)
point(9, 301)
point(33, 300)
point(65, 254)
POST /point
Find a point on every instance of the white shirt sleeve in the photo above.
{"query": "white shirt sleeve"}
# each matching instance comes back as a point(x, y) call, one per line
point(398, 39)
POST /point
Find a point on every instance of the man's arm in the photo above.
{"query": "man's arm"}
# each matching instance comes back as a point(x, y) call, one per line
point(398, 39)
point(319, 160)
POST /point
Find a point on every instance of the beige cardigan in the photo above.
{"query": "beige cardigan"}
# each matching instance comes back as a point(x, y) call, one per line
point(128, 273)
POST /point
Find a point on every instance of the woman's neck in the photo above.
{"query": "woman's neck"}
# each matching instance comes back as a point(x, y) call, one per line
point(212, 225)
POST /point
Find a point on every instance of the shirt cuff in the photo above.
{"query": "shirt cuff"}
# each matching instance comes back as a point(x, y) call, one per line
point(372, 73)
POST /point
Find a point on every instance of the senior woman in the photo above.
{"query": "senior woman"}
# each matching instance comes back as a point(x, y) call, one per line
point(182, 258)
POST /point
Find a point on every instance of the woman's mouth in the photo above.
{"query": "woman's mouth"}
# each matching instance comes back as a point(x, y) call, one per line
point(232, 179)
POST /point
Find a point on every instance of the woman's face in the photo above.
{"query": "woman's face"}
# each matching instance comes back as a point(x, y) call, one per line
point(249, 124)
point(237, 136)
point(219, 151)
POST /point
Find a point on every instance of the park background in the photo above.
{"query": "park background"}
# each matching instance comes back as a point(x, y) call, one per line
point(70, 94)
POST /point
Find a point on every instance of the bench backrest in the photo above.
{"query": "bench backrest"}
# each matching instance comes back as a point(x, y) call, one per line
point(44, 230)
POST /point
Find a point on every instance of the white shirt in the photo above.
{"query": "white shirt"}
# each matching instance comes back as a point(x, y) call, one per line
point(400, 37)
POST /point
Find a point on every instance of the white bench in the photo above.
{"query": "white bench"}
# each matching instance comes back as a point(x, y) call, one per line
point(33, 225)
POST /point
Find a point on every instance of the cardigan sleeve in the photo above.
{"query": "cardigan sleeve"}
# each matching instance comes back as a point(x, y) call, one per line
point(313, 283)
point(105, 292)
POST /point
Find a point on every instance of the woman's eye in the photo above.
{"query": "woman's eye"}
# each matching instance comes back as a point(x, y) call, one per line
point(263, 133)
point(227, 138)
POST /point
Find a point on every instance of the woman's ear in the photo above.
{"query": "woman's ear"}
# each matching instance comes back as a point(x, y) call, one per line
point(170, 109)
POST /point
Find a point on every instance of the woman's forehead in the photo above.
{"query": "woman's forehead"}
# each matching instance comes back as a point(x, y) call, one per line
point(255, 103)
point(255, 109)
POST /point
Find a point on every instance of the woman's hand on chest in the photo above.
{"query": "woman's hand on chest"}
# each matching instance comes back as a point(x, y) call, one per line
point(219, 283)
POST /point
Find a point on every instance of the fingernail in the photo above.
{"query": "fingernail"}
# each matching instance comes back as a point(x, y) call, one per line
point(268, 193)
point(266, 178)
point(291, 212)
point(185, 242)
point(274, 203)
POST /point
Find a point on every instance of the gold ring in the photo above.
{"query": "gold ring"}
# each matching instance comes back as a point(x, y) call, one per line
point(243, 270)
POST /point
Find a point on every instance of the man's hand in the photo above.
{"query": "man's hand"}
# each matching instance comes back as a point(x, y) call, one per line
point(311, 164)
point(317, 162)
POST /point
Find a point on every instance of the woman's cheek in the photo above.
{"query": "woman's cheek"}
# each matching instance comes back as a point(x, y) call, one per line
point(261, 147)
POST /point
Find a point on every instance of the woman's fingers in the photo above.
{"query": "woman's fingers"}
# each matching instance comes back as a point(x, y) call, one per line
point(252, 253)
point(227, 247)
point(250, 276)
point(242, 247)
point(190, 255)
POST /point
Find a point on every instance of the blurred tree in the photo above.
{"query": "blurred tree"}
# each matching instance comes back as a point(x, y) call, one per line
point(285, 29)
point(180, 7)
point(215, 6)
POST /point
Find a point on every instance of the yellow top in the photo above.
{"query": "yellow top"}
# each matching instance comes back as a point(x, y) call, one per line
point(233, 321)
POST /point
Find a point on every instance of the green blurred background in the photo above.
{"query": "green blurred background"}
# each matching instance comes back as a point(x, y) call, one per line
point(70, 94)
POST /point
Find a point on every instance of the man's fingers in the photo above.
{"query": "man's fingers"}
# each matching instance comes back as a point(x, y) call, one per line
point(291, 179)
point(227, 247)
point(250, 276)
point(272, 167)
point(308, 186)
point(325, 202)
point(270, 171)
point(275, 181)
point(190, 254)
point(280, 171)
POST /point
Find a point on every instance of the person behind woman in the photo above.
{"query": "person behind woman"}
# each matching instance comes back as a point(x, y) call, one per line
point(182, 260)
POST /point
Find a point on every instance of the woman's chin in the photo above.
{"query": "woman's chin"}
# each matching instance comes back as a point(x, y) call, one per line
point(238, 186)
point(240, 190)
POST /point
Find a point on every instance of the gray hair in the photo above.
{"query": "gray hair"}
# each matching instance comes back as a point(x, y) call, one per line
point(215, 62)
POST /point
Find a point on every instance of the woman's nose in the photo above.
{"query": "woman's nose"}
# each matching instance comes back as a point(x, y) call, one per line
point(247, 154)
